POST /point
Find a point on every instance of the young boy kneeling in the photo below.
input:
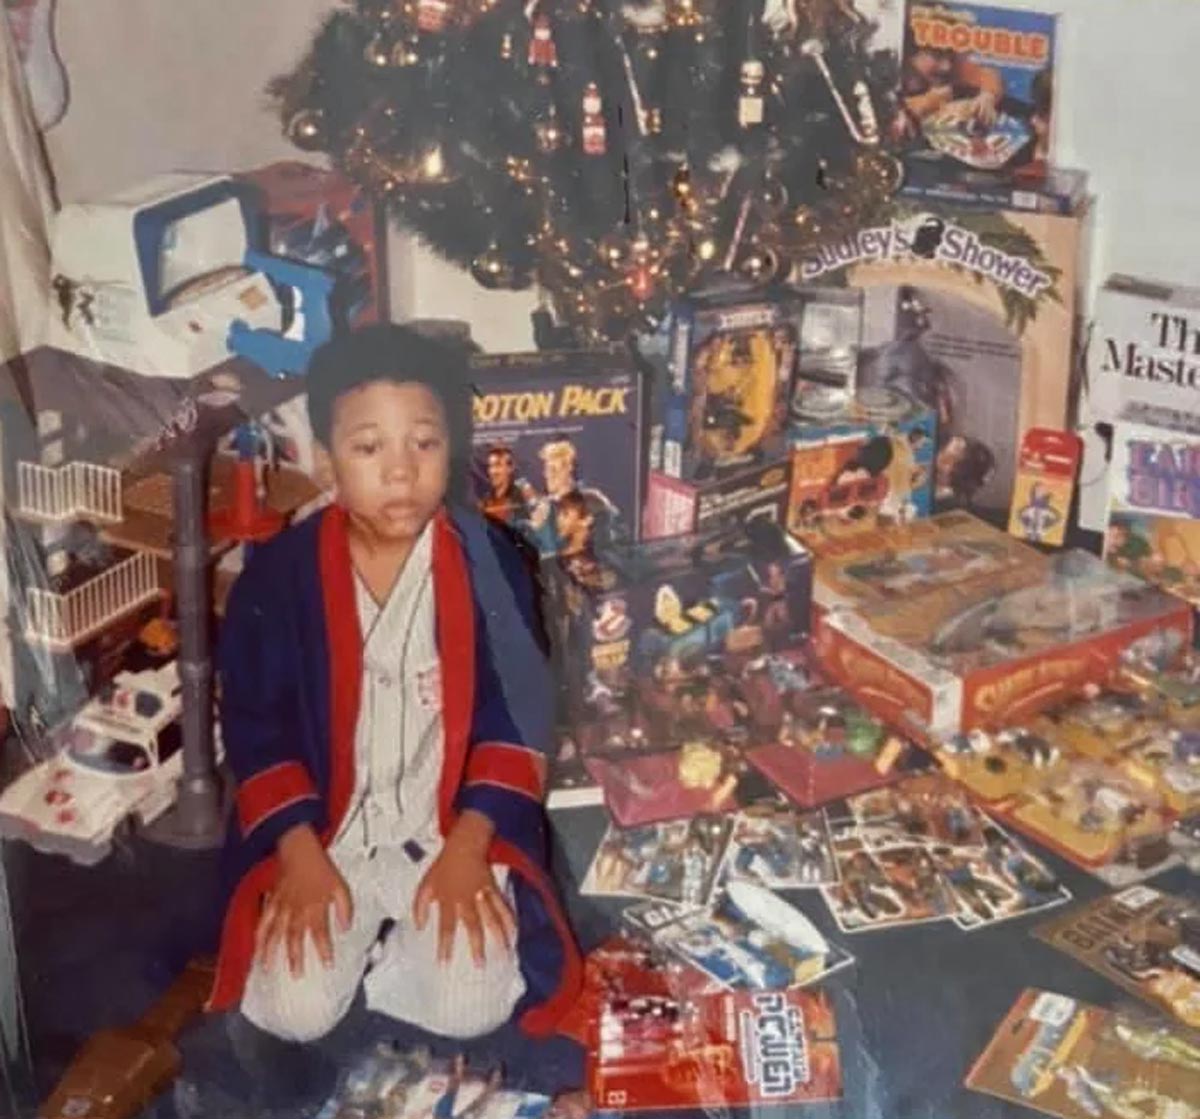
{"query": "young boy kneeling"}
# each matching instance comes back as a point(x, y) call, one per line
point(387, 710)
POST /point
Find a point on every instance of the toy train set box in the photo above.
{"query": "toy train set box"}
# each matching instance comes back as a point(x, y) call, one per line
point(559, 443)
point(867, 464)
point(645, 616)
point(1154, 499)
point(959, 626)
point(971, 313)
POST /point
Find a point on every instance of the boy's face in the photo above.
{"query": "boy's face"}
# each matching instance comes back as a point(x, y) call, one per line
point(390, 456)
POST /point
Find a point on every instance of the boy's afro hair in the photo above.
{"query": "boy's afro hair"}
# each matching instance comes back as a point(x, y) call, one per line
point(390, 352)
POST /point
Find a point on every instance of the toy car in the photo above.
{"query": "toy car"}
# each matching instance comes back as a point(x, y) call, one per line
point(119, 758)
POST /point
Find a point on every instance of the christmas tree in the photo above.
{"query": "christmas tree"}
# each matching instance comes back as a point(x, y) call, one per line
point(611, 153)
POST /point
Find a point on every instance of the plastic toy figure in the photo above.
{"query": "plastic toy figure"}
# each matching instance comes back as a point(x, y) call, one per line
point(1153, 1043)
point(1038, 516)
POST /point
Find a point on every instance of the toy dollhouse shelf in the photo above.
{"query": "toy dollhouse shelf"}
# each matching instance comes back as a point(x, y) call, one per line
point(75, 491)
point(61, 620)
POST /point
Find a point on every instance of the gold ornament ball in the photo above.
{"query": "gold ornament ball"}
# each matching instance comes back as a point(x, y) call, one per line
point(306, 130)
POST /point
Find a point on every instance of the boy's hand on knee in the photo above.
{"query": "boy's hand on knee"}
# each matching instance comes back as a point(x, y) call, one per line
point(309, 885)
point(461, 884)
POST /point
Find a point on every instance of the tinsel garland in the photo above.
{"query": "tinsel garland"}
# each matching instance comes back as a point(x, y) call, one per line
point(612, 154)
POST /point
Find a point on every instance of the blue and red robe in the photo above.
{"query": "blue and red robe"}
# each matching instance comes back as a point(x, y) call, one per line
point(290, 669)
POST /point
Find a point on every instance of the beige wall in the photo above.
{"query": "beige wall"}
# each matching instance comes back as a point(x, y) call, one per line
point(160, 84)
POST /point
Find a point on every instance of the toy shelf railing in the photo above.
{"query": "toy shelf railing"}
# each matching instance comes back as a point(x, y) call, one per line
point(73, 491)
point(62, 621)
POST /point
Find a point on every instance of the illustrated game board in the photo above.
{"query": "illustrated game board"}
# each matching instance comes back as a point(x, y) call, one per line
point(1144, 941)
point(1065, 1058)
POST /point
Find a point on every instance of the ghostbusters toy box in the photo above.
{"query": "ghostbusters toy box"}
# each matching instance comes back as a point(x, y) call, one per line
point(971, 312)
point(1154, 499)
point(868, 464)
point(968, 628)
point(559, 444)
point(1144, 350)
point(634, 625)
point(675, 507)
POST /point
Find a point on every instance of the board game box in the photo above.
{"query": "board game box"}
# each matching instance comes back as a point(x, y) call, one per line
point(1153, 526)
point(1065, 1058)
point(1143, 940)
point(870, 463)
point(1144, 349)
point(977, 84)
point(1056, 190)
point(559, 441)
point(971, 312)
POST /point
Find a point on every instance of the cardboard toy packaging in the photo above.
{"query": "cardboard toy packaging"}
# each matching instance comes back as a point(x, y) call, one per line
point(730, 363)
point(959, 626)
point(971, 312)
point(633, 623)
point(1153, 526)
point(675, 507)
point(321, 217)
point(870, 463)
point(559, 442)
point(1068, 1059)
point(1144, 350)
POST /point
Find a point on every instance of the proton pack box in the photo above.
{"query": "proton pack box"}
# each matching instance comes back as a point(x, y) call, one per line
point(559, 446)
point(961, 631)
point(730, 363)
point(675, 507)
point(867, 464)
point(971, 312)
point(657, 612)
point(1154, 500)
point(1144, 349)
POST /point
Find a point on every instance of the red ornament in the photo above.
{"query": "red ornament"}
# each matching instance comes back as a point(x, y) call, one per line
point(433, 15)
point(542, 51)
point(595, 140)
point(641, 283)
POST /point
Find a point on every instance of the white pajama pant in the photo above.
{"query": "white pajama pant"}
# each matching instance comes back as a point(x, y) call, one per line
point(401, 976)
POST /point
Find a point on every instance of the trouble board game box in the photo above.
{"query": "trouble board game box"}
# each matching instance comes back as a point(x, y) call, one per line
point(971, 629)
point(559, 442)
point(972, 313)
point(730, 362)
point(1154, 498)
point(641, 620)
point(977, 84)
point(675, 507)
point(1144, 350)
point(1066, 1058)
point(866, 465)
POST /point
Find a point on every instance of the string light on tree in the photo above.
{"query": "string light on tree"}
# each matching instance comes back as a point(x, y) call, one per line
point(609, 152)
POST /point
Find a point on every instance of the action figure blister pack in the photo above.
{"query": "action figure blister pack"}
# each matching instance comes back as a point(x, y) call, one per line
point(1066, 1058)
point(1143, 940)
